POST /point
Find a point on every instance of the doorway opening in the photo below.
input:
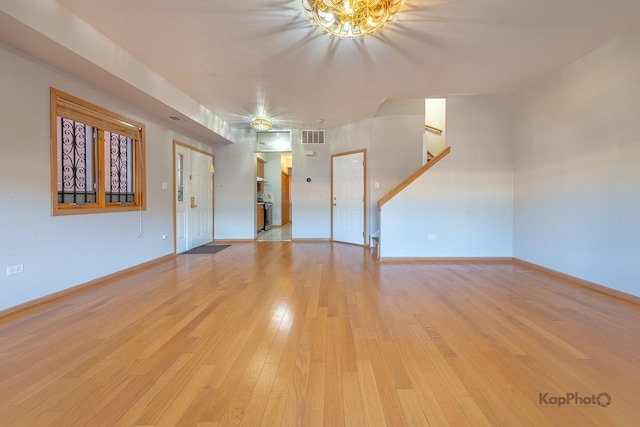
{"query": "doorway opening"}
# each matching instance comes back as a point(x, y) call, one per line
point(273, 196)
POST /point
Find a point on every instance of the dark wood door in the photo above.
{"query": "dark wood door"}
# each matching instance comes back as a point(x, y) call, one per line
point(286, 205)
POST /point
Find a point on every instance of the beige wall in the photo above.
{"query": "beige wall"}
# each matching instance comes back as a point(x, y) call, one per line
point(577, 162)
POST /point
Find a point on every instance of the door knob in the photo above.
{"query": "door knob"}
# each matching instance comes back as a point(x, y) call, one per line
point(193, 202)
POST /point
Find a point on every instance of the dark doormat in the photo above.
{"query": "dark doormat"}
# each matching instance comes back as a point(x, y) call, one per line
point(207, 249)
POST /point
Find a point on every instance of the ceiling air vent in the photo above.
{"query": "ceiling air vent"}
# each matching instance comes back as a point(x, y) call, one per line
point(313, 137)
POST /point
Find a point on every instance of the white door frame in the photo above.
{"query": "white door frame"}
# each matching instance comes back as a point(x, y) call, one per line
point(364, 186)
point(189, 149)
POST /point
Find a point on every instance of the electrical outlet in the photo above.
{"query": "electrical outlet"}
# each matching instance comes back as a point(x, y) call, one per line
point(431, 237)
point(15, 269)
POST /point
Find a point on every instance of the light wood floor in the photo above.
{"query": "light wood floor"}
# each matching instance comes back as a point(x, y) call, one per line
point(312, 334)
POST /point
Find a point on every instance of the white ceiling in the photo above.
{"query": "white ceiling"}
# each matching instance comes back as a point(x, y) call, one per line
point(238, 56)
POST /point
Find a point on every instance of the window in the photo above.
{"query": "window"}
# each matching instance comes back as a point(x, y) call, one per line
point(273, 141)
point(97, 158)
point(180, 177)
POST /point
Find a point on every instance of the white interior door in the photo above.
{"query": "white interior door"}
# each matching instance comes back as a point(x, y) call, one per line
point(200, 218)
point(194, 198)
point(348, 198)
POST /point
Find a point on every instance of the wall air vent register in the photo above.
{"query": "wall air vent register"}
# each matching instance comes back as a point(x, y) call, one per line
point(313, 137)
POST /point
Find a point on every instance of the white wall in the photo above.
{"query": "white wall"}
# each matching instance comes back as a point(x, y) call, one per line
point(577, 161)
point(395, 152)
point(310, 201)
point(466, 200)
point(64, 251)
point(354, 136)
point(235, 190)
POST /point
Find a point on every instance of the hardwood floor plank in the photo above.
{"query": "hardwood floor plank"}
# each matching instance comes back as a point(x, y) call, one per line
point(386, 387)
point(319, 333)
point(354, 412)
point(296, 396)
point(412, 410)
point(255, 409)
point(240, 399)
point(371, 400)
point(424, 392)
point(314, 408)
point(333, 381)
point(274, 412)
point(319, 344)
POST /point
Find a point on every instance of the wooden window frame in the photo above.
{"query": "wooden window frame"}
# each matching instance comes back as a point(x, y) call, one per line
point(102, 120)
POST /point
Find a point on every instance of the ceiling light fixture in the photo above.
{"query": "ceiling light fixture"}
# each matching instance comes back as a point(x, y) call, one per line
point(350, 18)
point(261, 124)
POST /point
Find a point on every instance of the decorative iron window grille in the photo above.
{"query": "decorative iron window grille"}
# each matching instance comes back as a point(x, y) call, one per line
point(118, 171)
point(75, 175)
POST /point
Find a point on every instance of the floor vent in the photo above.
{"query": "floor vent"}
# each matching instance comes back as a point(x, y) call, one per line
point(313, 137)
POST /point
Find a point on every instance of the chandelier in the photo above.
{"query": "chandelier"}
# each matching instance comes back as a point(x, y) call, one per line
point(261, 124)
point(350, 17)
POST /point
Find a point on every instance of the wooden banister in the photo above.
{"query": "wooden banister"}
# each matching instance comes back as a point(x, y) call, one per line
point(413, 177)
point(429, 156)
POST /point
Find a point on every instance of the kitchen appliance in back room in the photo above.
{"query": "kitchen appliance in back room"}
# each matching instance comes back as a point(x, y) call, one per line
point(268, 208)
point(266, 196)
